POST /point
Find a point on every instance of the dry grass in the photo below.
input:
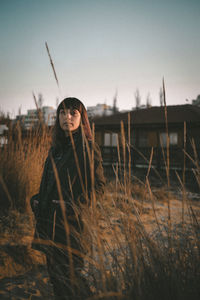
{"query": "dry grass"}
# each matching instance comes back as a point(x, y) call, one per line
point(140, 243)
point(21, 167)
point(139, 261)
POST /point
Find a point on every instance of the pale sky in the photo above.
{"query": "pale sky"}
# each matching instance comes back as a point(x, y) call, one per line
point(98, 46)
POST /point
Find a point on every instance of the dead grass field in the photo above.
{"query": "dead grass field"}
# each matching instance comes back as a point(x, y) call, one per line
point(120, 224)
point(140, 242)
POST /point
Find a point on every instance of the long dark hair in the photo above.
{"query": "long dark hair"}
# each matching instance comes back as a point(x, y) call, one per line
point(58, 138)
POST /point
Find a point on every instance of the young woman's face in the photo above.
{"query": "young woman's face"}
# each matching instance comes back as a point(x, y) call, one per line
point(69, 119)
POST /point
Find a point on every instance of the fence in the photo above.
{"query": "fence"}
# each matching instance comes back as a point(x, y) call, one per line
point(141, 157)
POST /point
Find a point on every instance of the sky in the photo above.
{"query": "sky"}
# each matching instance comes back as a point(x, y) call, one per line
point(98, 47)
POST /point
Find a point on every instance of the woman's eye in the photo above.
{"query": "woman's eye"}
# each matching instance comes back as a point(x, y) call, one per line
point(74, 112)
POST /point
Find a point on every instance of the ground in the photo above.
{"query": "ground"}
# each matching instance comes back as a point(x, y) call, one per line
point(23, 273)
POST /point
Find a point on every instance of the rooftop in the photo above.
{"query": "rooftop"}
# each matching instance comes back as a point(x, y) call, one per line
point(154, 115)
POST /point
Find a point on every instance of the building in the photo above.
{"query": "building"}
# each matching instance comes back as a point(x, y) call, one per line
point(99, 110)
point(47, 114)
point(3, 134)
point(146, 130)
point(3, 129)
point(196, 101)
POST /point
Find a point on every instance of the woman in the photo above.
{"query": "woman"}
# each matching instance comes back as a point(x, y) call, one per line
point(68, 181)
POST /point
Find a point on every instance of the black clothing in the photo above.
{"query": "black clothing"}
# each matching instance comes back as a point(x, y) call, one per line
point(75, 181)
point(65, 284)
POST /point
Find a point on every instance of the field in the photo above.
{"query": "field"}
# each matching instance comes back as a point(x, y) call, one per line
point(140, 241)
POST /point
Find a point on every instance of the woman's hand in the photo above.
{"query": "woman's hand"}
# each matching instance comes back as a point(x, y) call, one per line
point(35, 204)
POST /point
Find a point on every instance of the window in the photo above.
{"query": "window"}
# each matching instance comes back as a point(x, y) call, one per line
point(107, 139)
point(114, 139)
point(173, 139)
point(110, 139)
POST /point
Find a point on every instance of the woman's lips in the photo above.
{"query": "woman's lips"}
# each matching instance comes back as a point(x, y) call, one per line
point(67, 123)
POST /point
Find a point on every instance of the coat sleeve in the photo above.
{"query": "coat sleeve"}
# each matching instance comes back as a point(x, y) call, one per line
point(98, 172)
point(36, 206)
point(99, 179)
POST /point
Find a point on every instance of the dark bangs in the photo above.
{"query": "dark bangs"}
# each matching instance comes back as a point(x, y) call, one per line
point(70, 103)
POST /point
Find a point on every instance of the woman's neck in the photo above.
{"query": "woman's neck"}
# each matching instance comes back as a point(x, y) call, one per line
point(67, 133)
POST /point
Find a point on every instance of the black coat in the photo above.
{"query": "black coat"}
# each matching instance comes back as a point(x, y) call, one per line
point(72, 175)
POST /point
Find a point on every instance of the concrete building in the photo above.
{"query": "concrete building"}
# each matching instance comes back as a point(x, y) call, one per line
point(3, 135)
point(99, 110)
point(49, 115)
point(196, 101)
point(31, 119)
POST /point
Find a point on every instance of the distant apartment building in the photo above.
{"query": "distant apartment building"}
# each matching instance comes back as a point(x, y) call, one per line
point(99, 110)
point(3, 134)
point(196, 101)
point(31, 119)
point(49, 115)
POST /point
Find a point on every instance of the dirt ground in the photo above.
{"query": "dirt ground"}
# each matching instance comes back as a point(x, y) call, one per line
point(23, 273)
point(33, 284)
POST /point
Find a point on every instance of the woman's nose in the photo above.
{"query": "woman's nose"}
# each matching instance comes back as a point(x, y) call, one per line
point(68, 115)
